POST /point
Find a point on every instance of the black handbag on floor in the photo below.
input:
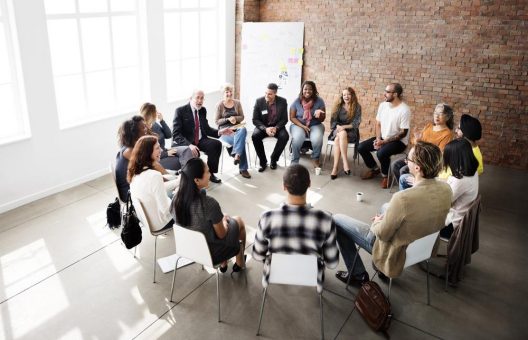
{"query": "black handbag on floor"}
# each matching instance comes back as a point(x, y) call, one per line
point(113, 214)
point(131, 233)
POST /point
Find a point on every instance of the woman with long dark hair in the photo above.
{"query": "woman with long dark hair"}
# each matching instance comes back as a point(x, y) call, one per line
point(193, 209)
point(128, 134)
point(464, 181)
point(344, 123)
point(307, 113)
point(146, 183)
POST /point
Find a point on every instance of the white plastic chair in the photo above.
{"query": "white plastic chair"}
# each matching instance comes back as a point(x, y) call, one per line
point(417, 251)
point(192, 245)
point(293, 269)
point(331, 143)
point(226, 145)
point(154, 230)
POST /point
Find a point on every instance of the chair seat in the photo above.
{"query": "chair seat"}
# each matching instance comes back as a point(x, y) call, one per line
point(162, 231)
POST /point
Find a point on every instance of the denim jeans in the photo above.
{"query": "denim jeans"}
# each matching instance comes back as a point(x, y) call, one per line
point(238, 141)
point(403, 181)
point(298, 135)
point(352, 233)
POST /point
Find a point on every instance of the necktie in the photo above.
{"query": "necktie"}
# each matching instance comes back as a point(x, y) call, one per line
point(196, 128)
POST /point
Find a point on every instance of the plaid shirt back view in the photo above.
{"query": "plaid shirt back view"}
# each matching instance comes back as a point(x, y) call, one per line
point(293, 229)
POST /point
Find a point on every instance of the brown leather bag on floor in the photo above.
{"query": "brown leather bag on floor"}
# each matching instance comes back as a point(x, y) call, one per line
point(374, 306)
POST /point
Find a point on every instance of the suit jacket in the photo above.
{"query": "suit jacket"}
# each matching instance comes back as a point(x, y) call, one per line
point(261, 121)
point(412, 214)
point(183, 126)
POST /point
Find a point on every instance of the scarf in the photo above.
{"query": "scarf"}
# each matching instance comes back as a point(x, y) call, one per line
point(307, 107)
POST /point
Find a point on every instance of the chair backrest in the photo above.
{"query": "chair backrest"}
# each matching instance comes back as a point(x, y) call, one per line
point(112, 171)
point(420, 250)
point(141, 213)
point(192, 245)
point(293, 269)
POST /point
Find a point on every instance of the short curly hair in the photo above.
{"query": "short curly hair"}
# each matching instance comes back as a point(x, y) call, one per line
point(129, 131)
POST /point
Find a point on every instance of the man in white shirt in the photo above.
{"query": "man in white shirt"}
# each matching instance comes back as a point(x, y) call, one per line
point(392, 134)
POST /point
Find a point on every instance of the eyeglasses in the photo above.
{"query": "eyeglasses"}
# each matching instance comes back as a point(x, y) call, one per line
point(407, 160)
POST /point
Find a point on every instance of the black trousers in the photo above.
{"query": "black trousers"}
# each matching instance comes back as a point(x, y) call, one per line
point(384, 153)
point(212, 149)
point(282, 139)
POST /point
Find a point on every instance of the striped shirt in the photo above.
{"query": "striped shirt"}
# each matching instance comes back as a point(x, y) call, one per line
point(293, 229)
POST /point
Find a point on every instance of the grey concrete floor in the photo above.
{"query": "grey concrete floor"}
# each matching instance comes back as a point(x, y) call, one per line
point(64, 275)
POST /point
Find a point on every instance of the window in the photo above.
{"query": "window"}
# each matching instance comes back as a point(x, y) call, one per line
point(96, 56)
point(193, 38)
point(13, 113)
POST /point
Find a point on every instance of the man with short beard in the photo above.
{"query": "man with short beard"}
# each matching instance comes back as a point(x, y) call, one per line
point(392, 134)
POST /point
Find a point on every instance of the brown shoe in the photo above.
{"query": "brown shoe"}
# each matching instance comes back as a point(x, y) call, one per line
point(370, 173)
point(385, 183)
point(245, 174)
point(316, 163)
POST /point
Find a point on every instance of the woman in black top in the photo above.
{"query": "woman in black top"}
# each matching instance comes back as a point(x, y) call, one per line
point(193, 209)
point(346, 117)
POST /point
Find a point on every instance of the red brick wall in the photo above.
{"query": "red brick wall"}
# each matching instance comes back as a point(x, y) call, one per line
point(472, 55)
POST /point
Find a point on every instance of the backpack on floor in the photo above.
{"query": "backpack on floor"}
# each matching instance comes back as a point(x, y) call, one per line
point(113, 214)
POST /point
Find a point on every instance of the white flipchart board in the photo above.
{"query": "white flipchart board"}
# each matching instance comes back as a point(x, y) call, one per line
point(272, 52)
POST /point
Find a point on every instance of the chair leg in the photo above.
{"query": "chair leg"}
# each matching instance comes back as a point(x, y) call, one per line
point(155, 252)
point(428, 294)
point(218, 293)
point(390, 285)
point(322, 318)
point(446, 276)
point(222, 160)
point(174, 277)
point(392, 183)
point(326, 154)
point(352, 269)
point(262, 309)
point(284, 152)
point(248, 154)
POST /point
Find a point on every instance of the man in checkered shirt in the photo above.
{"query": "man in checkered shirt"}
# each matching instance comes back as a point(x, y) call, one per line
point(296, 228)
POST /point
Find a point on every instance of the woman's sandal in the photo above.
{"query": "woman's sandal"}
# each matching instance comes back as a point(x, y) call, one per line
point(347, 172)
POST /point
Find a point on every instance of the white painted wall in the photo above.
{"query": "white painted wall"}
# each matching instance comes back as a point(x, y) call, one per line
point(52, 160)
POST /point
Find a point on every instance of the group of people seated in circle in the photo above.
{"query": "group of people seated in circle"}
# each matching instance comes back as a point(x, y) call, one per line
point(440, 164)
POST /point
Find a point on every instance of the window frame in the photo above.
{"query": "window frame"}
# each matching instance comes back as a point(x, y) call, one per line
point(7, 20)
point(89, 115)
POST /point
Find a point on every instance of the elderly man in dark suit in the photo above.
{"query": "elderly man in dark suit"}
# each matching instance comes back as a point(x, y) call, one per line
point(270, 116)
point(190, 127)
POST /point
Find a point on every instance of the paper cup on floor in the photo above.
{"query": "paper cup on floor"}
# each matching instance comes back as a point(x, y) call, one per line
point(359, 197)
point(317, 171)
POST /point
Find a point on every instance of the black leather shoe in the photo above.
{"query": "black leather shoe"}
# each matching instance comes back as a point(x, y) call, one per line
point(332, 177)
point(262, 168)
point(273, 165)
point(215, 179)
point(354, 281)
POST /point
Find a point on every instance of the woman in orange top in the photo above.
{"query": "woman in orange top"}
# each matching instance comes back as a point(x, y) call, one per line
point(439, 132)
